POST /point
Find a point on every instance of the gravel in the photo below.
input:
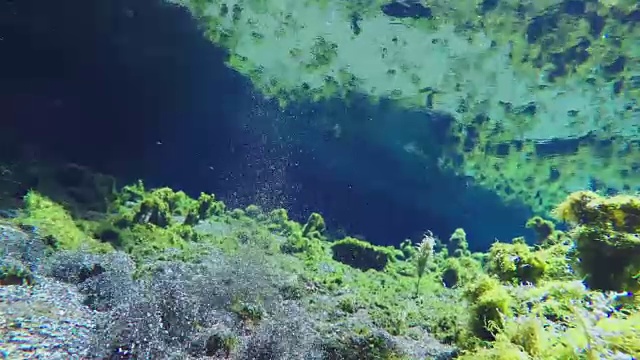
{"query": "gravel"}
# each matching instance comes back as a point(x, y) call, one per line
point(45, 321)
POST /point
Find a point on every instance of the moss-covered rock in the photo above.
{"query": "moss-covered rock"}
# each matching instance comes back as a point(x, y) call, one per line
point(361, 254)
point(296, 243)
point(13, 272)
point(490, 303)
point(408, 249)
point(314, 227)
point(606, 232)
point(452, 272)
point(254, 212)
point(153, 210)
point(205, 207)
point(55, 225)
point(457, 245)
point(366, 345)
point(543, 228)
point(516, 263)
point(221, 344)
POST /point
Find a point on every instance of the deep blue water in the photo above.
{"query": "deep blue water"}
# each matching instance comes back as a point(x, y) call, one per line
point(136, 92)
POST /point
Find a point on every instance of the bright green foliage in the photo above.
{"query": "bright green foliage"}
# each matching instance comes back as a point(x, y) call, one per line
point(177, 201)
point(153, 210)
point(278, 221)
point(253, 211)
point(490, 302)
point(606, 234)
point(552, 322)
point(208, 206)
point(160, 206)
point(298, 244)
point(205, 208)
point(501, 351)
point(456, 271)
point(148, 240)
point(314, 227)
point(257, 237)
point(516, 263)
point(573, 209)
point(55, 225)
point(458, 245)
point(623, 333)
point(279, 217)
point(237, 214)
point(145, 222)
point(424, 252)
point(407, 248)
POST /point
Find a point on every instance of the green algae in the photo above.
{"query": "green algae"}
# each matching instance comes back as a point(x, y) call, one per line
point(515, 301)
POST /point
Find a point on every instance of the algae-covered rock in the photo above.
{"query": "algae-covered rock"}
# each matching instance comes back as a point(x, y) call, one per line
point(457, 271)
point(14, 272)
point(361, 254)
point(314, 226)
point(490, 303)
point(205, 207)
point(516, 263)
point(606, 232)
point(52, 222)
point(544, 229)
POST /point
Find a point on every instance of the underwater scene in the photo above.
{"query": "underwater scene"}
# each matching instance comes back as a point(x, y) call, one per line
point(320, 179)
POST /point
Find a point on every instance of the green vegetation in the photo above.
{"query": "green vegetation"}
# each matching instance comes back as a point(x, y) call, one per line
point(53, 223)
point(516, 301)
point(607, 238)
point(425, 251)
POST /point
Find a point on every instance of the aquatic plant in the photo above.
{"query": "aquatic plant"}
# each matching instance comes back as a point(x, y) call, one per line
point(423, 254)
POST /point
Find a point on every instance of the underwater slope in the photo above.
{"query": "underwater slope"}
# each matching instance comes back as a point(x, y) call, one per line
point(163, 276)
point(521, 79)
